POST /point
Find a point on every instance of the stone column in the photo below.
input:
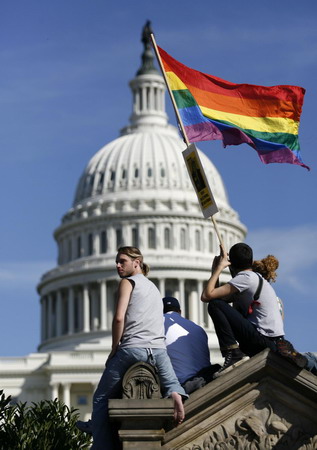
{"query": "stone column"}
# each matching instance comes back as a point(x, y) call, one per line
point(70, 307)
point(103, 305)
point(142, 235)
point(201, 304)
point(50, 316)
point(66, 393)
point(84, 244)
point(96, 243)
point(94, 309)
point(74, 247)
point(193, 306)
point(181, 299)
point(162, 286)
point(136, 100)
point(162, 97)
point(43, 318)
point(79, 294)
point(59, 313)
point(86, 309)
point(111, 238)
point(144, 105)
point(54, 391)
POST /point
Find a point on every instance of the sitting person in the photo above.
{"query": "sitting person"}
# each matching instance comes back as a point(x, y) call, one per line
point(252, 324)
point(267, 268)
point(187, 346)
point(137, 335)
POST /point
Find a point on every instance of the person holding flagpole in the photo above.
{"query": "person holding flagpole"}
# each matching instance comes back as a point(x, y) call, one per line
point(253, 324)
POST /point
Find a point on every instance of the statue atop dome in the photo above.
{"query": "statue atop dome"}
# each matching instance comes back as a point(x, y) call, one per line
point(147, 66)
point(146, 32)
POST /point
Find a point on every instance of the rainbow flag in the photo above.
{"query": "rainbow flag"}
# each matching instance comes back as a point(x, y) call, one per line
point(266, 118)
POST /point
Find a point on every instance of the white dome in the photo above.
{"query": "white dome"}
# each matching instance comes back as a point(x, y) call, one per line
point(145, 164)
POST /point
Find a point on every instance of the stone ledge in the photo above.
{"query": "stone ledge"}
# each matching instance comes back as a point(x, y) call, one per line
point(126, 409)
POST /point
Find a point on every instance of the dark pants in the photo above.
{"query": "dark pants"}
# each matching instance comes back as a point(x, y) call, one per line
point(231, 327)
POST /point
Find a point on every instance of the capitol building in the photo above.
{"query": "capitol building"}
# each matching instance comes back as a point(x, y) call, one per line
point(134, 191)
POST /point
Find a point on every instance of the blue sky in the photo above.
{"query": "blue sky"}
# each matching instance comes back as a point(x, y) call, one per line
point(65, 68)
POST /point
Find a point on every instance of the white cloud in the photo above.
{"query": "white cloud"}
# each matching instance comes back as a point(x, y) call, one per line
point(295, 249)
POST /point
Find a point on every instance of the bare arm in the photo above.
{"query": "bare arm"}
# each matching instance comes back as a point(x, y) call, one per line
point(212, 291)
point(123, 298)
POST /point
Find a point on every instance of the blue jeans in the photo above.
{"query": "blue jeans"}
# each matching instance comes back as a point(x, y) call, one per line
point(110, 387)
point(231, 327)
point(311, 362)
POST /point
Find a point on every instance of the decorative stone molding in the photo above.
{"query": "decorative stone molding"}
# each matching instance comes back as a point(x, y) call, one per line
point(265, 403)
point(259, 430)
point(142, 413)
point(141, 382)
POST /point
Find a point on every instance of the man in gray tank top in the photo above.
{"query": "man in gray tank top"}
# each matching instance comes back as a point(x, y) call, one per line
point(137, 335)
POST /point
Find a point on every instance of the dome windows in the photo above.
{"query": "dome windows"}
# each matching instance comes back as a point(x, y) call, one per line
point(210, 242)
point(149, 175)
point(197, 240)
point(151, 238)
point(79, 247)
point(100, 182)
point(119, 239)
point(103, 242)
point(183, 239)
point(90, 244)
point(167, 238)
point(123, 181)
point(135, 237)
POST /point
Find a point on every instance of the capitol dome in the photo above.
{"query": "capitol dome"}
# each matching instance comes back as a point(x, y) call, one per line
point(143, 161)
point(134, 191)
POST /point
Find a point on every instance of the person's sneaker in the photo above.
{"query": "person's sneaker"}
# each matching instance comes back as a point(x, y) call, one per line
point(85, 427)
point(233, 358)
point(286, 349)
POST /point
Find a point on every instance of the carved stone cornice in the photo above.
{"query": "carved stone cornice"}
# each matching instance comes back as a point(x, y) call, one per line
point(141, 382)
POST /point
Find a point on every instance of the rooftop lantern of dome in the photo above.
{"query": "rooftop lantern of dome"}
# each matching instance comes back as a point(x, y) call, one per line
point(147, 57)
point(148, 90)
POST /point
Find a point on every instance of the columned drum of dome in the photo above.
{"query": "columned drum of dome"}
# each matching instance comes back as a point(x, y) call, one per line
point(134, 191)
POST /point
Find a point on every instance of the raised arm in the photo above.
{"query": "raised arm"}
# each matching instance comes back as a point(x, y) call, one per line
point(211, 290)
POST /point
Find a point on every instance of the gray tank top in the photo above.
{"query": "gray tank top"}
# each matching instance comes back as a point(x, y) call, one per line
point(144, 320)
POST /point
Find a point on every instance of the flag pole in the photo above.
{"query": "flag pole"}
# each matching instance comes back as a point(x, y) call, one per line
point(181, 126)
point(179, 120)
